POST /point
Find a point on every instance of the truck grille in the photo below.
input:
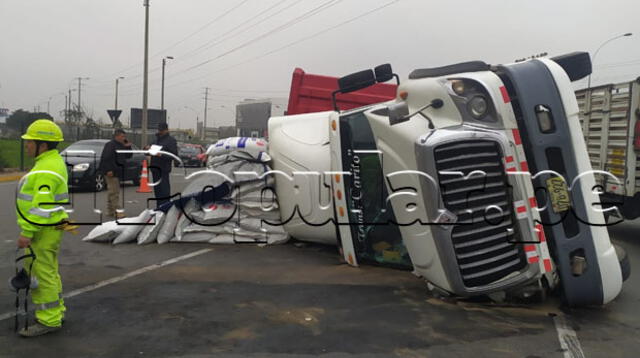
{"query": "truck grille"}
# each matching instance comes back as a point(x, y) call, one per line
point(483, 242)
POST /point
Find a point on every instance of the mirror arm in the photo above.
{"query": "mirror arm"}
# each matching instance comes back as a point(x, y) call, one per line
point(333, 100)
point(436, 103)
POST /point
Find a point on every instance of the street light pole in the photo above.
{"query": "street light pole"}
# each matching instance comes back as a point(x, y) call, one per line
point(117, 80)
point(145, 81)
point(593, 59)
point(164, 63)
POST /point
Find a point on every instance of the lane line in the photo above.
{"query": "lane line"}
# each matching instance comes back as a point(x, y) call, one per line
point(113, 280)
point(568, 338)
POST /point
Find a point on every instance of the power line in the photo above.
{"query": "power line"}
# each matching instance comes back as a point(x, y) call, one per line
point(304, 38)
point(218, 18)
point(290, 23)
point(218, 39)
point(280, 28)
point(222, 38)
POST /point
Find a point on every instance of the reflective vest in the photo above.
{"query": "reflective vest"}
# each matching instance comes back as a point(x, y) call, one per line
point(41, 193)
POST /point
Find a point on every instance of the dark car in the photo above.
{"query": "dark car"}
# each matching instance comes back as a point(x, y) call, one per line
point(83, 159)
point(191, 155)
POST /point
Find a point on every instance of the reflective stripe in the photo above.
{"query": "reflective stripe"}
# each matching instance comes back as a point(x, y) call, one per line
point(48, 305)
point(60, 197)
point(23, 196)
point(39, 212)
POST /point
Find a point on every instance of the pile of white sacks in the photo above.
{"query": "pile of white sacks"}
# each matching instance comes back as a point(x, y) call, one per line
point(233, 201)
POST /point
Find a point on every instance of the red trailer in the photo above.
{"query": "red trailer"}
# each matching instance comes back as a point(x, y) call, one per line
point(312, 93)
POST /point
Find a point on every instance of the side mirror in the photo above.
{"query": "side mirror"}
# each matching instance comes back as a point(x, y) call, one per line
point(384, 73)
point(356, 81)
point(577, 65)
point(398, 113)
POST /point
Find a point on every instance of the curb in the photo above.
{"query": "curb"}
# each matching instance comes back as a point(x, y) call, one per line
point(9, 178)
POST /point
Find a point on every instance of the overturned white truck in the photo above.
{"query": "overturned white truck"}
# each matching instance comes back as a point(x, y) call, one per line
point(475, 176)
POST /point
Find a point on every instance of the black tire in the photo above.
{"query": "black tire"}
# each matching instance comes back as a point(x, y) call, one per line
point(99, 183)
point(625, 264)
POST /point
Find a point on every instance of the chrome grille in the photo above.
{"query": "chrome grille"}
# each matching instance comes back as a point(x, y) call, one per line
point(483, 242)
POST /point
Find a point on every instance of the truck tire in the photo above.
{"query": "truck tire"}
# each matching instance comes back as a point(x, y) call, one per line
point(625, 264)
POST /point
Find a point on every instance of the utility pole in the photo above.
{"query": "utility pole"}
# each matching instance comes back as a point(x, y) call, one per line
point(206, 104)
point(145, 81)
point(48, 105)
point(66, 111)
point(80, 92)
point(164, 63)
point(116, 104)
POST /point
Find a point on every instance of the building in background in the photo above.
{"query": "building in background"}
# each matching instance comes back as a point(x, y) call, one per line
point(4, 114)
point(252, 115)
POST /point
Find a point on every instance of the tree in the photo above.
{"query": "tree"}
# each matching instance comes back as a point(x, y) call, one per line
point(21, 119)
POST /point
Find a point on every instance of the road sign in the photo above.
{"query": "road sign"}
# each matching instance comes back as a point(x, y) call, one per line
point(114, 114)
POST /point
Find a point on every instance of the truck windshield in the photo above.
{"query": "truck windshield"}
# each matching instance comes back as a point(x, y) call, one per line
point(375, 238)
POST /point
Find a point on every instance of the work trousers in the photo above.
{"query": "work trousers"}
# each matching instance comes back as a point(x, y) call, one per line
point(47, 297)
point(113, 197)
point(162, 187)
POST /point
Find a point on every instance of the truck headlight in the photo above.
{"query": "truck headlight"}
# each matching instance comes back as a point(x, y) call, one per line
point(472, 100)
point(80, 167)
point(478, 107)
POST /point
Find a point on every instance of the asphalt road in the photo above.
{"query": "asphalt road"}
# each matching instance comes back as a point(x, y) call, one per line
point(287, 300)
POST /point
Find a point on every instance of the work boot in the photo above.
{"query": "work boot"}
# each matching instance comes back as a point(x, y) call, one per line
point(37, 329)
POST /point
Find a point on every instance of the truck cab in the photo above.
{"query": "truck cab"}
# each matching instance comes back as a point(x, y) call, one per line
point(475, 177)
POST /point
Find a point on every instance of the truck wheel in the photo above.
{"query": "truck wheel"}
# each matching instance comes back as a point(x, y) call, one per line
point(625, 264)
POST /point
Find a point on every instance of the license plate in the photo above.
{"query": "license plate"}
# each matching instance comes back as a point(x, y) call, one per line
point(559, 194)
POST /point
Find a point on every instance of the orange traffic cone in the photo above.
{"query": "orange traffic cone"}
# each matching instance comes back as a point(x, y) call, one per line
point(144, 179)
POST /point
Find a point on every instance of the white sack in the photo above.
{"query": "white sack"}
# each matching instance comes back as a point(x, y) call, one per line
point(149, 233)
point(194, 237)
point(252, 146)
point(130, 232)
point(104, 233)
point(169, 226)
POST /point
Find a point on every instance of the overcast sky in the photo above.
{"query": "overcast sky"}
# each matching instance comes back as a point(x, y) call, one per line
point(249, 48)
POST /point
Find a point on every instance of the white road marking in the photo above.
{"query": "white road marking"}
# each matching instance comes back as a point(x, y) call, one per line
point(568, 338)
point(127, 275)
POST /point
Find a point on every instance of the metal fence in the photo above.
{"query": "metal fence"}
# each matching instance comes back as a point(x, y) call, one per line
point(74, 133)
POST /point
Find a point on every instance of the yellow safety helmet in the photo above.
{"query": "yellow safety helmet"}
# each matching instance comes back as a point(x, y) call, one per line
point(44, 130)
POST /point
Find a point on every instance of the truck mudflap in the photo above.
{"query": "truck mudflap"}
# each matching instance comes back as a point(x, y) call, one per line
point(532, 88)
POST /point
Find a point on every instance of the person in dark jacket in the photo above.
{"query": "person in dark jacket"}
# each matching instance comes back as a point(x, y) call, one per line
point(112, 165)
point(161, 164)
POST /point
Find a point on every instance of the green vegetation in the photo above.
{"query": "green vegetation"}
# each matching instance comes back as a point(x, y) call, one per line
point(20, 119)
point(10, 153)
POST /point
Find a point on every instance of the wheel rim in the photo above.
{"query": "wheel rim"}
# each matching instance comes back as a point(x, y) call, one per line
point(99, 182)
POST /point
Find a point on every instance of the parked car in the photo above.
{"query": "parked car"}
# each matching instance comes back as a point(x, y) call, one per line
point(192, 155)
point(83, 159)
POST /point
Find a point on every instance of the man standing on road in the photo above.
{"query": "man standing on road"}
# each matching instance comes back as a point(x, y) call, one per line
point(39, 209)
point(161, 164)
point(112, 164)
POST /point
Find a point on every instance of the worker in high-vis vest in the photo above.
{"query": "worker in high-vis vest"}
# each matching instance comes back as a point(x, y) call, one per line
point(40, 201)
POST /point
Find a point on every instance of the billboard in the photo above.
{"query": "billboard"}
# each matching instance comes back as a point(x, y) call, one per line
point(154, 117)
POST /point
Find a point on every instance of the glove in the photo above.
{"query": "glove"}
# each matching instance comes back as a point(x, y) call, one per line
point(68, 227)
